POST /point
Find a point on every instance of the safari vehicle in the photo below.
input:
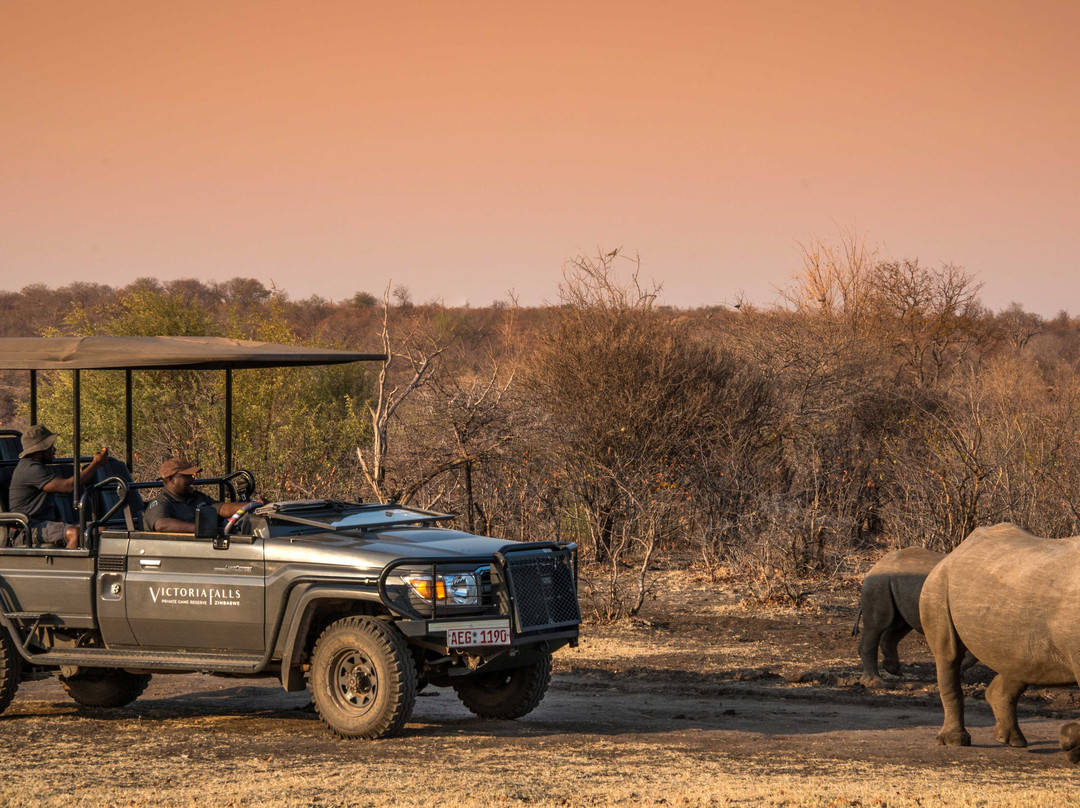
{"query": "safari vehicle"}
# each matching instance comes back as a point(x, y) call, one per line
point(362, 603)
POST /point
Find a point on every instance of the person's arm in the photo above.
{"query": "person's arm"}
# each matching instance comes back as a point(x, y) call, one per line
point(65, 485)
point(167, 524)
point(160, 517)
point(227, 509)
point(170, 524)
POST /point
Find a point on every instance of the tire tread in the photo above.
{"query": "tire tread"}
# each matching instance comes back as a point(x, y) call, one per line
point(108, 690)
point(402, 671)
point(10, 669)
point(524, 693)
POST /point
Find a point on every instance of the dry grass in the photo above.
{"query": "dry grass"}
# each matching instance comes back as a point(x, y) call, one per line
point(579, 771)
point(609, 734)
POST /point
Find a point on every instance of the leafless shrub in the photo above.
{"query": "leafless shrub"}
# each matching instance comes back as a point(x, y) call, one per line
point(628, 409)
point(1001, 446)
point(778, 537)
point(1019, 326)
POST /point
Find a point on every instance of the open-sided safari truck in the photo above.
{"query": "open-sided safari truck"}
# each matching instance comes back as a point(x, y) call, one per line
point(363, 603)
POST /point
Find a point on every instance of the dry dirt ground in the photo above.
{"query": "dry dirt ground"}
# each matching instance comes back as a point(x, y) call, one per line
point(702, 702)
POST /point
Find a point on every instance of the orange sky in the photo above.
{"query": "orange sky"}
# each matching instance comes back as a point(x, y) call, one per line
point(468, 148)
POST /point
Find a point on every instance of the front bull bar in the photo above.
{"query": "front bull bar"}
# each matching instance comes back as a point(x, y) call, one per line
point(496, 559)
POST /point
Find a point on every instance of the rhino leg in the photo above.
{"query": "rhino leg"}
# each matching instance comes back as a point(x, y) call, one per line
point(890, 659)
point(952, 701)
point(1002, 695)
point(868, 653)
point(879, 616)
point(948, 656)
point(1070, 741)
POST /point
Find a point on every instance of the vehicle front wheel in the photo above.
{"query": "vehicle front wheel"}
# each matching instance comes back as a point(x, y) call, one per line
point(363, 680)
point(10, 669)
point(105, 688)
point(507, 693)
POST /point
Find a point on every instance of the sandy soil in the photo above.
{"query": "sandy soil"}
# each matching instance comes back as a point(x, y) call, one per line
point(702, 704)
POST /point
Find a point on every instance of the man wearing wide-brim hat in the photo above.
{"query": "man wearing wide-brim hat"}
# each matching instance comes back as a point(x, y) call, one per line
point(35, 481)
point(173, 510)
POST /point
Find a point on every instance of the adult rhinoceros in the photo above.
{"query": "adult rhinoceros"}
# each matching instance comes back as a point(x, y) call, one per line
point(889, 605)
point(1013, 600)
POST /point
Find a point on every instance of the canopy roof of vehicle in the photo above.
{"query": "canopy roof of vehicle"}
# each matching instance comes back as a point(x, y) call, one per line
point(160, 353)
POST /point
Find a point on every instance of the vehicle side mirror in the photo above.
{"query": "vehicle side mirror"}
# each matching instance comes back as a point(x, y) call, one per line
point(206, 522)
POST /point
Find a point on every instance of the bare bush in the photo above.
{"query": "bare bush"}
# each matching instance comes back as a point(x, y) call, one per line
point(625, 400)
point(858, 363)
point(391, 393)
point(1000, 446)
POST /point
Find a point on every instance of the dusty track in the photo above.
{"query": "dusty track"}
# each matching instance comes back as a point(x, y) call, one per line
point(720, 707)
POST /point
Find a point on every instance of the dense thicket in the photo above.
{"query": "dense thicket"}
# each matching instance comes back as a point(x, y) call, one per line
point(879, 403)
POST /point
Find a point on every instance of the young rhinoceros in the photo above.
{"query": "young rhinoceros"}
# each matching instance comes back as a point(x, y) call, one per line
point(890, 607)
point(1011, 599)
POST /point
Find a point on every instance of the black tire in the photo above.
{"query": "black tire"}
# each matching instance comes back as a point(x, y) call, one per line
point(10, 669)
point(363, 680)
point(105, 688)
point(509, 693)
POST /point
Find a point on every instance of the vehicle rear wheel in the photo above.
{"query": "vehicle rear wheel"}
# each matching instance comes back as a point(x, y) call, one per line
point(10, 669)
point(105, 687)
point(507, 693)
point(363, 679)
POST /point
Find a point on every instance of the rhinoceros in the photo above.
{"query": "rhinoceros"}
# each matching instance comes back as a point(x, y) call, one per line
point(1013, 600)
point(889, 605)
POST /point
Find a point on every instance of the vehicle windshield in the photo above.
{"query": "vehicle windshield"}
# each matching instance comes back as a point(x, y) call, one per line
point(336, 515)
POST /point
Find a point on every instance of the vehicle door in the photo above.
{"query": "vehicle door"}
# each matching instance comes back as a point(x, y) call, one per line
point(183, 593)
point(54, 583)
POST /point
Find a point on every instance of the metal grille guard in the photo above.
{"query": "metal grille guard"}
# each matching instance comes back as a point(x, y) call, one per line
point(499, 559)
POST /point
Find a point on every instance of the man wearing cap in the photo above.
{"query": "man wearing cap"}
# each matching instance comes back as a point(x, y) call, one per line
point(34, 482)
point(174, 509)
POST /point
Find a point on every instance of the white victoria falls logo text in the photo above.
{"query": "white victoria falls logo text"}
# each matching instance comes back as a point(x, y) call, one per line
point(194, 596)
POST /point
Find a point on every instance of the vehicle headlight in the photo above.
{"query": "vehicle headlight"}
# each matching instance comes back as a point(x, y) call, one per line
point(448, 589)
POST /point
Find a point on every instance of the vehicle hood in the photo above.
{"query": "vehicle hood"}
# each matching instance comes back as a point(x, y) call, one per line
point(374, 549)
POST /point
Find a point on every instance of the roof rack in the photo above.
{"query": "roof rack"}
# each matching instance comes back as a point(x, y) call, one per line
point(154, 353)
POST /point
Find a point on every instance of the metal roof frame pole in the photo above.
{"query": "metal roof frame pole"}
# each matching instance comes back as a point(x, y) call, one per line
point(33, 396)
point(228, 421)
point(127, 421)
point(76, 438)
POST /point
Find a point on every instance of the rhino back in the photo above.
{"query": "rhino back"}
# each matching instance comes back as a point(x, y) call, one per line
point(1011, 598)
point(897, 579)
point(907, 561)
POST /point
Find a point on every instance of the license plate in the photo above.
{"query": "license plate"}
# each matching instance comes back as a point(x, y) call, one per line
point(466, 637)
